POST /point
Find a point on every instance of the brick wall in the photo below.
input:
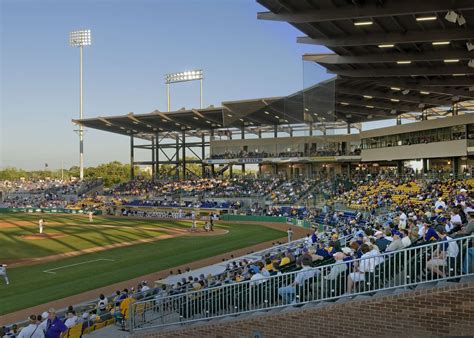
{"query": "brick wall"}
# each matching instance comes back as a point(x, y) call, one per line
point(440, 311)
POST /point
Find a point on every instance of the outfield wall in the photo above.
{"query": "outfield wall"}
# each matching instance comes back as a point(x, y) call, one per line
point(47, 211)
point(251, 218)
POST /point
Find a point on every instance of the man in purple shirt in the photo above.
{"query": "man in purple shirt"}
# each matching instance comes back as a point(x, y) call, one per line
point(54, 326)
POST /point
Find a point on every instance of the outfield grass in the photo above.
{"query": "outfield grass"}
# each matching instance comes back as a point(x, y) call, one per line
point(79, 234)
point(31, 286)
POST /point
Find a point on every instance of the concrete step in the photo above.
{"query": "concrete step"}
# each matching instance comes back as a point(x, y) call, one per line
point(467, 279)
point(400, 291)
point(310, 305)
point(383, 293)
point(362, 297)
point(445, 283)
point(276, 310)
point(426, 285)
point(343, 300)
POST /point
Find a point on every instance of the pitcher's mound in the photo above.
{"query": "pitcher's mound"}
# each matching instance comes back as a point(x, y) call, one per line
point(42, 236)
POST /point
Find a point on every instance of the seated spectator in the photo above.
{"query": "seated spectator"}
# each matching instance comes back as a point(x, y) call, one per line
point(444, 255)
point(381, 242)
point(338, 268)
point(288, 293)
point(71, 319)
point(367, 263)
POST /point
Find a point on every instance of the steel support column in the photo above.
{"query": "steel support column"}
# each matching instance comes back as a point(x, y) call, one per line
point(157, 155)
point(211, 138)
point(203, 155)
point(400, 167)
point(132, 160)
point(177, 156)
point(425, 165)
point(242, 136)
point(153, 161)
point(183, 145)
point(455, 168)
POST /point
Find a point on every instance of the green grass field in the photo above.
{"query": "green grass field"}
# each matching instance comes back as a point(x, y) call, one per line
point(30, 285)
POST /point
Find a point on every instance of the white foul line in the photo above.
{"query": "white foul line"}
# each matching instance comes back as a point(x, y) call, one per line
point(67, 266)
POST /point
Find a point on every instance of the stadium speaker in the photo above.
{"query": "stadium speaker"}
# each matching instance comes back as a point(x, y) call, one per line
point(461, 20)
point(451, 16)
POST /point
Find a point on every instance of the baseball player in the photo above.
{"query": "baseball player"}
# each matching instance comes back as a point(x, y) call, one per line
point(3, 272)
point(91, 217)
point(40, 224)
point(193, 217)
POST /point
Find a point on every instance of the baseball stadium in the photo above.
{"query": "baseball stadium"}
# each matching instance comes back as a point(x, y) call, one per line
point(270, 216)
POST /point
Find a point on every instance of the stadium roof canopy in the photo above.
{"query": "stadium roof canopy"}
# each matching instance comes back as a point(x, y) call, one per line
point(403, 55)
point(407, 59)
point(265, 113)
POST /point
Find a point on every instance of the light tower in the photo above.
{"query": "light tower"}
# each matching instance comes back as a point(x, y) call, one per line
point(192, 75)
point(80, 39)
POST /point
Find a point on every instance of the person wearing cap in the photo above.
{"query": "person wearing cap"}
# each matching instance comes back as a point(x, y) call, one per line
point(288, 293)
point(429, 233)
point(42, 321)
point(461, 197)
point(32, 330)
point(54, 326)
point(3, 273)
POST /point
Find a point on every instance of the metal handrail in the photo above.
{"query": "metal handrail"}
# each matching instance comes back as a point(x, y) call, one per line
point(399, 269)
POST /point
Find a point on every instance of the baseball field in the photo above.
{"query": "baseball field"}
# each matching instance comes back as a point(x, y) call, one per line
point(74, 256)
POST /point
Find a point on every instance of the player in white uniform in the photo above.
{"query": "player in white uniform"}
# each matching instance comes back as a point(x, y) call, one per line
point(40, 224)
point(91, 217)
point(193, 217)
point(3, 273)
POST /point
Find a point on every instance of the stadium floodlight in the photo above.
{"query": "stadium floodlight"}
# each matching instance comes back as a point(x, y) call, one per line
point(192, 75)
point(80, 38)
point(426, 18)
point(363, 23)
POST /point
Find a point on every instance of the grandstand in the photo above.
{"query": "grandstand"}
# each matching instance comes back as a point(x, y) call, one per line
point(383, 218)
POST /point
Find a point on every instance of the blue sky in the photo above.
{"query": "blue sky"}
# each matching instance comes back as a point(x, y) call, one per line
point(133, 44)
